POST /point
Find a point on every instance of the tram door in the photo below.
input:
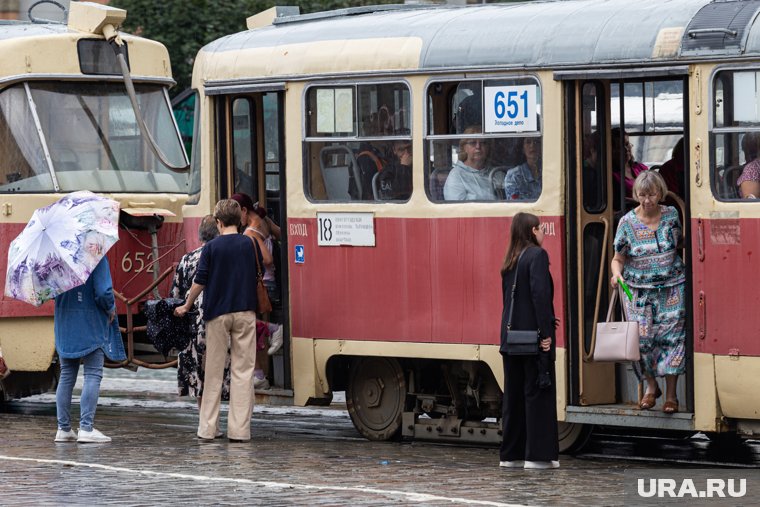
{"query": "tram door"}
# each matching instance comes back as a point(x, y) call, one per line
point(251, 160)
point(613, 121)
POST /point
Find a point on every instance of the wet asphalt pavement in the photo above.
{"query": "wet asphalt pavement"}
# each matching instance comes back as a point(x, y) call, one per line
point(298, 456)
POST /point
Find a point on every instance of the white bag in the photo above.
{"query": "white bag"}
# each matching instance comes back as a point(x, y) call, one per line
point(616, 341)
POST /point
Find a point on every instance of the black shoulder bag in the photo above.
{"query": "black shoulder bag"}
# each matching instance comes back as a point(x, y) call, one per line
point(519, 343)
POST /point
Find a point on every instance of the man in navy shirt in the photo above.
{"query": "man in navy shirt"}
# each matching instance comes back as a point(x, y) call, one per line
point(228, 281)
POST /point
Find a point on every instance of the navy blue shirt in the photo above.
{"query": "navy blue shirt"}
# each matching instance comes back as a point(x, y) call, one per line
point(227, 268)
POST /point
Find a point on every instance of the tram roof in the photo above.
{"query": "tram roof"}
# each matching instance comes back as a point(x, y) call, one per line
point(551, 33)
point(43, 42)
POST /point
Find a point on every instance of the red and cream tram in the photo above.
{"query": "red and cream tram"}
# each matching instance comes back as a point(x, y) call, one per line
point(395, 297)
point(67, 123)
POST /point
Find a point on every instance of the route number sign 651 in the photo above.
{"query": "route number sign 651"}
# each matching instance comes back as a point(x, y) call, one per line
point(510, 108)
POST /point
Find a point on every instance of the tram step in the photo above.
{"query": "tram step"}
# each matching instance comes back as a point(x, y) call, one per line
point(627, 415)
point(275, 397)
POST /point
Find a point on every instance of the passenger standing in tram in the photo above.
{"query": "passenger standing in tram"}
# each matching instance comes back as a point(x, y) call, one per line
point(86, 330)
point(190, 361)
point(529, 411)
point(229, 309)
point(523, 182)
point(469, 179)
point(646, 258)
point(258, 229)
point(631, 168)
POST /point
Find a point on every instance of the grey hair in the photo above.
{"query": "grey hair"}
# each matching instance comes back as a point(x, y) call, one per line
point(207, 230)
point(649, 181)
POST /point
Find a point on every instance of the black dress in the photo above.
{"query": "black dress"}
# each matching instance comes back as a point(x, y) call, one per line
point(529, 413)
point(190, 371)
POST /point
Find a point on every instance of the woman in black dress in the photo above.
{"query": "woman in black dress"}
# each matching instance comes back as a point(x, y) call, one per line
point(190, 370)
point(529, 410)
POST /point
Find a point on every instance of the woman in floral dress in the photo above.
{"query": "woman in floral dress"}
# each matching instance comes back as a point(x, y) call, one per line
point(646, 258)
point(190, 361)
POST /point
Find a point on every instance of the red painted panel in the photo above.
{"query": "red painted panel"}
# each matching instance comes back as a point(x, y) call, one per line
point(729, 278)
point(426, 280)
point(124, 264)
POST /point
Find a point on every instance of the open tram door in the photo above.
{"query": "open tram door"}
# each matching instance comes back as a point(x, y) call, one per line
point(637, 114)
point(251, 160)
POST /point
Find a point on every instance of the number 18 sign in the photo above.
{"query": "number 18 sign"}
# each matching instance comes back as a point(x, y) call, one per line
point(510, 108)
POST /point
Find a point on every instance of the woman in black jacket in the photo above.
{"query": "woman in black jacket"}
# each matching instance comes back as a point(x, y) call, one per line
point(529, 410)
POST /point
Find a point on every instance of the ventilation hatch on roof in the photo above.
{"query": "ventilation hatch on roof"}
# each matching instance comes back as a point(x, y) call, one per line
point(720, 27)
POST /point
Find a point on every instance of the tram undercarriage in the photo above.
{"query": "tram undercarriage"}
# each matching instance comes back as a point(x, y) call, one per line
point(428, 399)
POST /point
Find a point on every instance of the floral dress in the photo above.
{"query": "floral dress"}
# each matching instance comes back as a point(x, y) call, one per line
point(190, 371)
point(655, 273)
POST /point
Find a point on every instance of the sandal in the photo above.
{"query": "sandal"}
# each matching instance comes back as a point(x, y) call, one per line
point(650, 399)
point(670, 407)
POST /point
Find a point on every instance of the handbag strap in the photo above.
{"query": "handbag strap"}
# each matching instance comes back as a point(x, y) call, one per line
point(256, 250)
point(613, 300)
point(514, 289)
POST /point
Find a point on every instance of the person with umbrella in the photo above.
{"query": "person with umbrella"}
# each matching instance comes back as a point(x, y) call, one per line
point(60, 255)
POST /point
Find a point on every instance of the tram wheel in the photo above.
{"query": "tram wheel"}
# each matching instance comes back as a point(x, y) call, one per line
point(375, 397)
point(573, 436)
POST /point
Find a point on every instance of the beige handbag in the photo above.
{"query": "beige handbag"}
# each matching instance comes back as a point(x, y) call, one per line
point(616, 341)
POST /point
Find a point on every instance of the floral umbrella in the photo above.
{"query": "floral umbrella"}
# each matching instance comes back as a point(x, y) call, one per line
point(60, 246)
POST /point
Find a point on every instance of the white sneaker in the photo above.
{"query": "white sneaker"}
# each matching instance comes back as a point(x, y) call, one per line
point(65, 436)
point(275, 342)
point(260, 384)
point(92, 437)
point(541, 465)
point(512, 464)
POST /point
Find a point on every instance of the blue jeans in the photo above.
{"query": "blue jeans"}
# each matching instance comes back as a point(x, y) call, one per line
point(93, 373)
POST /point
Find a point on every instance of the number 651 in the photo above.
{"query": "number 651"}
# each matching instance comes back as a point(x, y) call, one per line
point(511, 108)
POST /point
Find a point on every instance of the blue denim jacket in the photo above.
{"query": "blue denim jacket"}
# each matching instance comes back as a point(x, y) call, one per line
point(81, 318)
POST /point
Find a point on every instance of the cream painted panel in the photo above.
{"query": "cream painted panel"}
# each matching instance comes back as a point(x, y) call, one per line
point(28, 343)
point(736, 381)
point(57, 54)
point(323, 57)
point(706, 409)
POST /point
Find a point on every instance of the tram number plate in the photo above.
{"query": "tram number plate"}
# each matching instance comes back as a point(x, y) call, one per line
point(137, 262)
point(354, 229)
point(510, 108)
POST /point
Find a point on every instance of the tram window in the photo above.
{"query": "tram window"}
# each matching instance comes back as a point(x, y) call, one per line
point(271, 142)
point(735, 160)
point(593, 177)
point(358, 143)
point(484, 140)
point(23, 167)
point(243, 148)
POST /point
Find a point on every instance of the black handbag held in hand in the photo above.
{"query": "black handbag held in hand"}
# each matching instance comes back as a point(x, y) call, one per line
point(519, 342)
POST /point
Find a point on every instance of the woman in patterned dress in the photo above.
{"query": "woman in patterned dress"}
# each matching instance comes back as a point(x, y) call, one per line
point(190, 361)
point(646, 258)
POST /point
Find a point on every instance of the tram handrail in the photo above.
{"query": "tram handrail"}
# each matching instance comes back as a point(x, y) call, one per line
point(130, 329)
point(588, 356)
point(682, 206)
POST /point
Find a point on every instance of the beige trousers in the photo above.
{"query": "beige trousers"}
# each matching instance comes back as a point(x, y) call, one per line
point(240, 328)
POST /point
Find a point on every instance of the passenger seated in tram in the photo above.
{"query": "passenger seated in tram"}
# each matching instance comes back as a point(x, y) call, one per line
point(523, 182)
point(469, 178)
point(395, 179)
point(749, 180)
point(672, 170)
point(630, 170)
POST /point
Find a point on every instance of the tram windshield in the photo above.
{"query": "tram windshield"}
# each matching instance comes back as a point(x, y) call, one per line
point(89, 133)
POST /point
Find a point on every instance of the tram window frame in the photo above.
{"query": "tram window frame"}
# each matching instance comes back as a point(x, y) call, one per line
point(379, 132)
point(194, 177)
point(728, 135)
point(445, 136)
point(593, 175)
